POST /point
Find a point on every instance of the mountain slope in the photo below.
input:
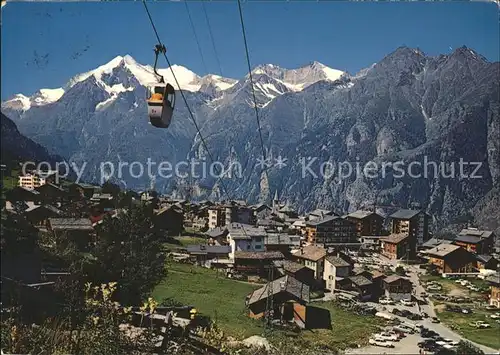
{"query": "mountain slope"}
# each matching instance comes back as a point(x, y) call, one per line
point(406, 108)
point(17, 148)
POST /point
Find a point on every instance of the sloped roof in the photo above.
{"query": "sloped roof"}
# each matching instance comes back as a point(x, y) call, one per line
point(470, 239)
point(47, 207)
point(245, 231)
point(281, 239)
point(435, 242)
point(361, 214)
point(393, 278)
point(70, 223)
point(442, 250)
point(337, 261)
point(360, 280)
point(311, 252)
point(269, 223)
point(259, 255)
point(292, 267)
point(216, 232)
point(322, 220)
point(475, 232)
point(395, 238)
point(286, 284)
point(405, 214)
point(208, 249)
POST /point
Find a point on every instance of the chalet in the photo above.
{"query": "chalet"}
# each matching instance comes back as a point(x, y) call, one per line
point(256, 263)
point(415, 223)
point(281, 242)
point(359, 271)
point(476, 241)
point(271, 224)
point(20, 193)
point(494, 281)
point(169, 219)
point(39, 215)
point(217, 235)
point(336, 268)
point(434, 242)
point(362, 285)
point(367, 222)
point(82, 191)
point(289, 295)
point(399, 246)
point(78, 230)
point(296, 270)
point(331, 230)
point(50, 193)
point(261, 211)
point(397, 288)
point(206, 253)
point(319, 214)
point(450, 258)
point(377, 279)
point(299, 225)
point(286, 212)
point(312, 257)
point(486, 262)
point(245, 238)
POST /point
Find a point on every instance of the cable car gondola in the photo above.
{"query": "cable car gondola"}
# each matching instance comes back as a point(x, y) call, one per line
point(161, 98)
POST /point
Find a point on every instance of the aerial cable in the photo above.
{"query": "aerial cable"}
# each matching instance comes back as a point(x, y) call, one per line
point(192, 117)
point(253, 89)
point(196, 37)
point(211, 36)
point(185, 102)
point(269, 313)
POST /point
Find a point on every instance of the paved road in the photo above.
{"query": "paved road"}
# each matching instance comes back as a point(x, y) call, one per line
point(408, 345)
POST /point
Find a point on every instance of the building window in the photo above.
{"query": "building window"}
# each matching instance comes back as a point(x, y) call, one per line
point(257, 247)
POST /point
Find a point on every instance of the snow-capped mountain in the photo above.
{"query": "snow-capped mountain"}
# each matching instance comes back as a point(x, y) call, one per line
point(124, 73)
point(405, 107)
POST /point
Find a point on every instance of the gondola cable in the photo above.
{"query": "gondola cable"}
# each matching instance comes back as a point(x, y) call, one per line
point(196, 37)
point(253, 89)
point(211, 37)
point(185, 102)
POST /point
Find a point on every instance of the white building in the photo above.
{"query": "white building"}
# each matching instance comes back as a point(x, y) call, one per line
point(31, 181)
point(244, 237)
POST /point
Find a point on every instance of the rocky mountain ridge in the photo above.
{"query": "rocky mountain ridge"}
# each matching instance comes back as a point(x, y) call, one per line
point(406, 108)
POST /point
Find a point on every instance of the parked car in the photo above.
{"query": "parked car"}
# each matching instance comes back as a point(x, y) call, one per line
point(495, 316)
point(466, 310)
point(387, 336)
point(403, 329)
point(435, 320)
point(480, 324)
point(385, 301)
point(407, 303)
point(385, 344)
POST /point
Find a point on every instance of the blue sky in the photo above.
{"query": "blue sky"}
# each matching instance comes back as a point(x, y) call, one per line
point(343, 35)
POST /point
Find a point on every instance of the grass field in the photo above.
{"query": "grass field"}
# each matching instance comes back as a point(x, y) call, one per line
point(10, 181)
point(216, 296)
point(450, 287)
point(223, 300)
point(460, 323)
